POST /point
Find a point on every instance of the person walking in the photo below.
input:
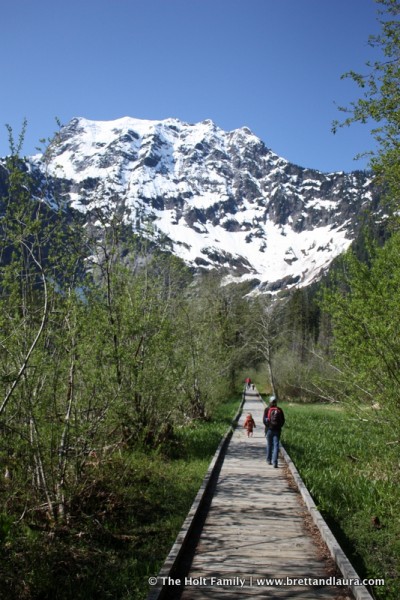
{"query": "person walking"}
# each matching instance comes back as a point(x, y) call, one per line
point(249, 424)
point(274, 420)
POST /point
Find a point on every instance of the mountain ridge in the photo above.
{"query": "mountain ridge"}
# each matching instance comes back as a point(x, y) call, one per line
point(222, 200)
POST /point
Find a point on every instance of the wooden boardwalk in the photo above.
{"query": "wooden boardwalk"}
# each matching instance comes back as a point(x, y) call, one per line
point(256, 529)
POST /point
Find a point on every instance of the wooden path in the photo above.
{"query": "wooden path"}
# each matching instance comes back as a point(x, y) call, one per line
point(256, 529)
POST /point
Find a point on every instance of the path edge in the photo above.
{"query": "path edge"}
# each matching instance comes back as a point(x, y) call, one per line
point(360, 592)
point(159, 591)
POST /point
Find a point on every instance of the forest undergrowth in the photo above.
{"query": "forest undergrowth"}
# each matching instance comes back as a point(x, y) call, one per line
point(120, 529)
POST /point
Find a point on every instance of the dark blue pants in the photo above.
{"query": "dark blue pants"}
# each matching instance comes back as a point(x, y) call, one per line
point(273, 437)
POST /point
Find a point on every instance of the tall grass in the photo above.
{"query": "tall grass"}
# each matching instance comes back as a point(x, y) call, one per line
point(350, 464)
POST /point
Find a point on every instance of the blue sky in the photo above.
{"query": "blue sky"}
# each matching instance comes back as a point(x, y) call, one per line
point(271, 65)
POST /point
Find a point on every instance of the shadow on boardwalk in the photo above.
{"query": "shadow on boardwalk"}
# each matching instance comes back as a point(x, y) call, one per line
point(252, 528)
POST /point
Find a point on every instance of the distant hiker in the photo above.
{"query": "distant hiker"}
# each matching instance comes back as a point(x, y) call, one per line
point(248, 382)
point(274, 420)
point(249, 424)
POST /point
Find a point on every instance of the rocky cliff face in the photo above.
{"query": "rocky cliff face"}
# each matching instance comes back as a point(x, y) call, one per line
point(221, 199)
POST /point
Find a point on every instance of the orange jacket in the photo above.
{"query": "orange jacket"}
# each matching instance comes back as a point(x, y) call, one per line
point(249, 423)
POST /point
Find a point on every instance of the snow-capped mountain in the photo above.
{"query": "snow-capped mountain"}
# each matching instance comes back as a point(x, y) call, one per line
point(222, 199)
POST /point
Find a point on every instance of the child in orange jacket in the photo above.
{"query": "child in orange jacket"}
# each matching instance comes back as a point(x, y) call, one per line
point(249, 424)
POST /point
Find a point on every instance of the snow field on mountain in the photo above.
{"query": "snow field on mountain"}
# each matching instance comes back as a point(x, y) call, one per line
point(222, 198)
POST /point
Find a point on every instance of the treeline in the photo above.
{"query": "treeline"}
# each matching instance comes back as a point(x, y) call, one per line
point(357, 325)
point(109, 343)
point(106, 343)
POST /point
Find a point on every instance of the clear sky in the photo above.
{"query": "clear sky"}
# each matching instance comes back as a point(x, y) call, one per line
point(271, 65)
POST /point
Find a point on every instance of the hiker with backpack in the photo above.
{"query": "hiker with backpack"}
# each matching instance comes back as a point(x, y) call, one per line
point(274, 420)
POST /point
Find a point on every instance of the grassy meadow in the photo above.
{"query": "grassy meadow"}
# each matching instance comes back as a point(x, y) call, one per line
point(350, 465)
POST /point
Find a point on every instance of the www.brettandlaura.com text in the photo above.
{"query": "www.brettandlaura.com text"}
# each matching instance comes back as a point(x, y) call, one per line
point(242, 582)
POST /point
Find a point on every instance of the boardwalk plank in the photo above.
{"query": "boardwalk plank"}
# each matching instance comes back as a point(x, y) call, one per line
point(255, 528)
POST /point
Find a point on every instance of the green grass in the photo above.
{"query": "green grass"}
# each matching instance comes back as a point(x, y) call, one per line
point(122, 526)
point(351, 468)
